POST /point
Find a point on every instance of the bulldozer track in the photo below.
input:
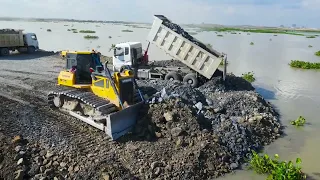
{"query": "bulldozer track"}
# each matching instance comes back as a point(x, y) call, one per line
point(102, 105)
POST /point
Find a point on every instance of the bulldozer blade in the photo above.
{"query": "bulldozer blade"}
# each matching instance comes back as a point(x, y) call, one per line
point(121, 122)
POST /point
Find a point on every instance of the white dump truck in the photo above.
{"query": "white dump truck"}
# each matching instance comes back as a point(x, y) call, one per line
point(198, 62)
point(11, 40)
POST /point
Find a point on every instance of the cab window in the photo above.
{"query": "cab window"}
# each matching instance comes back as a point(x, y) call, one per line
point(99, 83)
point(126, 51)
point(34, 37)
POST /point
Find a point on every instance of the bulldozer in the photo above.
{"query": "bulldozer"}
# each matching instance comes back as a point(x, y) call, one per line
point(89, 91)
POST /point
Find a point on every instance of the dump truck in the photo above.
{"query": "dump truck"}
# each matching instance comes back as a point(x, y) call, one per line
point(109, 101)
point(200, 62)
point(11, 40)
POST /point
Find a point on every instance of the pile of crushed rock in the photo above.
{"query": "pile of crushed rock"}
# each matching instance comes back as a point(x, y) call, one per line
point(203, 132)
point(182, 133)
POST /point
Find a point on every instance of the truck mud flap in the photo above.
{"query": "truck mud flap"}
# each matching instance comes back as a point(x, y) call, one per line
point(121, 122)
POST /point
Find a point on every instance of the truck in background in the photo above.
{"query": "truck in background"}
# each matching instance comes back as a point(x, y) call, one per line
point(200, 62)
point(11, 40)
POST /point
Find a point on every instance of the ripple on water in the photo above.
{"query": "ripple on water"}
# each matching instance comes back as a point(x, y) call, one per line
point(294, 90)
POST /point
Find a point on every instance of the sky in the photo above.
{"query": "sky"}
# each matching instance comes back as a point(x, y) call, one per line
point(225, 12)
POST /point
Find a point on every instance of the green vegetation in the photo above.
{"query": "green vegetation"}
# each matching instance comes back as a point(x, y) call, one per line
point(273, 31)
point(127, 30)
point(251, 43)
point(276, 169)
point(137, 26)
point(91, 37)
point(300, 121)
point(249, 76)
point(87, 31)
point(49, 30)
point(113, 46)
point(310, 46)
point(192, 33)
point(222, 63)
point(75, 31)
point(304, 65)
point(317, 53)
point(311, 37)
point(220, 35)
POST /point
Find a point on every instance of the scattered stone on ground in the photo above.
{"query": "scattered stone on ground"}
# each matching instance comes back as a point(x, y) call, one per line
point(182, 132)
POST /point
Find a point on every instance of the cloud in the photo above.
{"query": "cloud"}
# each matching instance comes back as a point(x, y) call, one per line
point(255, 12)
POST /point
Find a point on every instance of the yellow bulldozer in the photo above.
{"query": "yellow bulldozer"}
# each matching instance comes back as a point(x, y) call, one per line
point(89, 91)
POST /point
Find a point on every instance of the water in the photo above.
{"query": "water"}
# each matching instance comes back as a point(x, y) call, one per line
point(293, 92)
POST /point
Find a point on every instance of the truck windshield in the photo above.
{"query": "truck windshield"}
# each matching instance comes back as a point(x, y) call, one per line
point(34, 37)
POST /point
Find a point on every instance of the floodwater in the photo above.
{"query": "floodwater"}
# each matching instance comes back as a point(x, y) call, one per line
point(293, 92)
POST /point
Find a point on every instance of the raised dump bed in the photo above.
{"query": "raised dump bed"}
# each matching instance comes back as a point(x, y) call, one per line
point(172, 39)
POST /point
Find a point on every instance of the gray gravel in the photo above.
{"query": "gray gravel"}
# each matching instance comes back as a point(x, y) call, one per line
point(183, 133)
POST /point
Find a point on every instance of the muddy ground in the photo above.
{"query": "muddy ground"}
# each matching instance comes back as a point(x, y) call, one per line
point(183, 133)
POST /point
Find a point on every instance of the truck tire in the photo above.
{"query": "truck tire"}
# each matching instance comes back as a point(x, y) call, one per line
point(173, 76)
point(191, 79)
point(4, 51)
point(31, 49)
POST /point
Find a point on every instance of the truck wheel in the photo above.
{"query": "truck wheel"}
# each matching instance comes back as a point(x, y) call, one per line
point(191, 79)
point(31, 49)
point(4, 51)
point(173, 76)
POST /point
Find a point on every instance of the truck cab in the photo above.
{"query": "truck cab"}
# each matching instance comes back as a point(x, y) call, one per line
point(127, 54)
point(30, 40)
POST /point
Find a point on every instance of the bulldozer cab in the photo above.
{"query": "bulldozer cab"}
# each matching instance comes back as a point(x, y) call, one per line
point(80, 63)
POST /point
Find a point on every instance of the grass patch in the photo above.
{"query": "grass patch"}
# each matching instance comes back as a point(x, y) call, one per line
point(91, 37)
point(87, 31)
point(310, 46)
point(220, 35)
point(317, 53)
point(193, 33)
point(273, 31)
point(311, 37)
point(251, 43)
point(300, 121)
point(304, 64)
point(276, 169)
point(249, 76)
point(127, 30)
point(113, 46)
point(75, 31)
